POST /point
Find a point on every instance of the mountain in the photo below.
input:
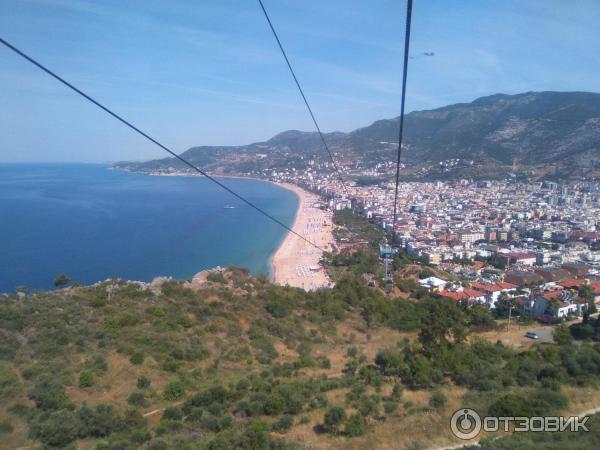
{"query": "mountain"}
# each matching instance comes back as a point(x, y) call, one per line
point(553, 134)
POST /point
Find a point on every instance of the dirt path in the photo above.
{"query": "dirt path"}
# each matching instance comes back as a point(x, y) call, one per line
point(151, 413)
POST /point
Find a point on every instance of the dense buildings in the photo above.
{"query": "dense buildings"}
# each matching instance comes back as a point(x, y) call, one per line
point(498, 236)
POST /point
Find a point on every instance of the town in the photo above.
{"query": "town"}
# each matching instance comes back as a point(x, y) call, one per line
point(537, 243)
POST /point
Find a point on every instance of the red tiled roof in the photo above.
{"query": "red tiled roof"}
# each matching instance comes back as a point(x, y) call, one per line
point(471, 293)
point(571, 283)
point(505, 285)
point(454, 295)
point(552, 294)
point(486, 287)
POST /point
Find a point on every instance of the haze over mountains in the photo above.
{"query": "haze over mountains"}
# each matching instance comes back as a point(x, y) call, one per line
point(541, 134)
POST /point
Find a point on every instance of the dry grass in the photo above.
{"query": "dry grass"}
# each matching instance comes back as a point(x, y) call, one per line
point(418, 426)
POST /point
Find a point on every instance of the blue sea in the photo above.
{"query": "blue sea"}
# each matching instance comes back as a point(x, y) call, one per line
point(93, 223)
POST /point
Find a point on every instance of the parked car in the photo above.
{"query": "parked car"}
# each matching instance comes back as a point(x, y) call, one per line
point(532, 335)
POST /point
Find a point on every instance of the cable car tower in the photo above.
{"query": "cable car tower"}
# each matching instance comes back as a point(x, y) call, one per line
point(386, 253)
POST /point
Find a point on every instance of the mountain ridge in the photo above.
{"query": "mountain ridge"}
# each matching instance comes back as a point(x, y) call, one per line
point(556, 134)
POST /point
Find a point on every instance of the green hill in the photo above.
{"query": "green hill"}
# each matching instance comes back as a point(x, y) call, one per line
point(237, 362)
point(555, 134)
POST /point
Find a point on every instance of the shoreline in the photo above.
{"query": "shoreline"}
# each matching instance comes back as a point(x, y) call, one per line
point(296, 262)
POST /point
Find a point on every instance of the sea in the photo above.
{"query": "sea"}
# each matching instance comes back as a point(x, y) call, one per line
point(92, 223)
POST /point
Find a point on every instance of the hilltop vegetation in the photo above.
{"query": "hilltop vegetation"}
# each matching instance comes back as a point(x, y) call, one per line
point(241, 363)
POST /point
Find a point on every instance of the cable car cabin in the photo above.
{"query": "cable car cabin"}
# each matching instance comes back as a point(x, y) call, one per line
point(386, 251)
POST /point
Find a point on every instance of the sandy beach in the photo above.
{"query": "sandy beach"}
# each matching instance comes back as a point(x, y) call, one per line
point(296, 262)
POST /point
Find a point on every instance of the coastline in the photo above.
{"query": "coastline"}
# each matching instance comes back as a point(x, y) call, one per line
point(296, 262)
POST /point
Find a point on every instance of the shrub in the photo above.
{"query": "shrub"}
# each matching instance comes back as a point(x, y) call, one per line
point(437, 400)
point(542, 402)
point(136, 399)
point(8, 342)
point(9, 381)
point(582, 331)
point(355, 425)
point(174, 391)
point(86, 379)
point(49, 396)
point(390, 407)
point(98, 422)
point(334, 417)
point(283, 424)
point(170, 364)
point(274, 405)
point(216, 277)
point(562, 335)
point(137, 358)
point(256, 436)
point(97, 365)
point(61, 280)
point(172, 413)
point(57, 429)
point(134, 420)
point(396, 391)
point(324, 362)
point(5, 427)
point(19, 410)
point(369, 405)
point(143, 382)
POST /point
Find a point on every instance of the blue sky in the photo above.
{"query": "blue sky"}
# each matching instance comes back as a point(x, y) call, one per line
point(208, 72)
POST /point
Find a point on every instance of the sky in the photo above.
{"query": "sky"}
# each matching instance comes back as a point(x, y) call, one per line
point(208, 72)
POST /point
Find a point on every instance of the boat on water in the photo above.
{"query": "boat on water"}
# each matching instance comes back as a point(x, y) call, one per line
point(228, 206)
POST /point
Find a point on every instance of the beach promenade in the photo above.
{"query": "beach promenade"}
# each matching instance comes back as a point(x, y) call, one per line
point(296, 262)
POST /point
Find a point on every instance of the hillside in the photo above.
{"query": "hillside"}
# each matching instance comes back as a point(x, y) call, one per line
point(554, 134)
point(233, 362)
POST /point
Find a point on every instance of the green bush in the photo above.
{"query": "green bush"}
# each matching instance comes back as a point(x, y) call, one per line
point(86, 379)
point(9, 381)
point(174, 391)
point(437, 400)
point(19, 410)
point(172, 413)
point(355, 425)
point(49, 396)
point(274, 405)
point(542, 402)
point(136, 399)
point(283, 424)
point(562, 335)
point(334, 417)
point(57, 429)
point(216, 277)
point(137, 358)
point(170, 364)
point(98, 422)
point(143, 382)
point(389, 407)
point(5, 427)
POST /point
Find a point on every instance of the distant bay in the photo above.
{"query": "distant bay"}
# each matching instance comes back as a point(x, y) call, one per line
point(93, 223)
